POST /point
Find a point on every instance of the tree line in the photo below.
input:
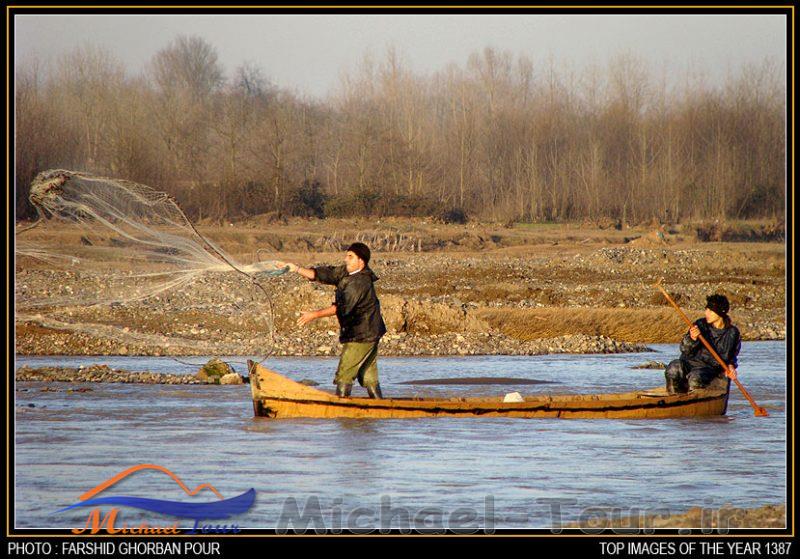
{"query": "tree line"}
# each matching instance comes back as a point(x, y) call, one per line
point(499, 138)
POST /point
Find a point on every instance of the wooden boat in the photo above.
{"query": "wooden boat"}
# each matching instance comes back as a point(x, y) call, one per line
point(278, 397)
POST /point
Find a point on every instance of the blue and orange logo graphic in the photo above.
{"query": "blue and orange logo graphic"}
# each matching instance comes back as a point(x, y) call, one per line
point(197, 511)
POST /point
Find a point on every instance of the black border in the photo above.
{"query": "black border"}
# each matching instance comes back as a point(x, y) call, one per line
point(583, 543)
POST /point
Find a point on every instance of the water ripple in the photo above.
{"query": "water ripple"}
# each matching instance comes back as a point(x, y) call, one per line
point(68, 443)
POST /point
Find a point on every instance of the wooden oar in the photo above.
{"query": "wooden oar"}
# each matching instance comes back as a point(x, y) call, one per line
point(757, 410)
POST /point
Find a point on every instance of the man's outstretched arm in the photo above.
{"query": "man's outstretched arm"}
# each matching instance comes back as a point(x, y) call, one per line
point(330, 275)
point(307, 273)
point(309, 316)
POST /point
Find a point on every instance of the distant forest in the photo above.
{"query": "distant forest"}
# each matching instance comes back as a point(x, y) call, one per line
point(500, 138)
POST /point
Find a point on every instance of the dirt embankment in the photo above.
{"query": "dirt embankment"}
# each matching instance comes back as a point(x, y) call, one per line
point(715, 521)
point(536, 290)
point(98, 373)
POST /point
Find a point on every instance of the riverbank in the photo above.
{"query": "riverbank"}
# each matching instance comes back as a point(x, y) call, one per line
point(522, 290)
point(57, 342)
point(723, 518)
point(100, 373)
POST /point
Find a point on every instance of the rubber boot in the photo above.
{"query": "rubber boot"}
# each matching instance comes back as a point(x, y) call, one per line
point(675, 378)
point(674, 386)
point(343, 390)
point(375, 392)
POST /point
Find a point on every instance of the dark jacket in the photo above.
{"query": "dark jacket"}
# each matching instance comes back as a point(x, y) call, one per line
point(357, 306)
point(726, 342)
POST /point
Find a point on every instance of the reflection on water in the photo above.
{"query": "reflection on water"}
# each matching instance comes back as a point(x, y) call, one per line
point(506, 471)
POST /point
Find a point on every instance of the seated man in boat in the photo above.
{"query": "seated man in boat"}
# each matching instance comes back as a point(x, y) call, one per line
point(696, 367)
point(359, 312)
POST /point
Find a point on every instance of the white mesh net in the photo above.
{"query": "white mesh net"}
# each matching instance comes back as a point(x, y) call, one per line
point(117, 242)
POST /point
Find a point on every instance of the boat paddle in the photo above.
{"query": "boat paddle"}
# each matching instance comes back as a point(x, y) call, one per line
point(757, 410)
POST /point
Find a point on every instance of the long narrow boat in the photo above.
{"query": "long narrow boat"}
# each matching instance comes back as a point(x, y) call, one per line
point(276, 396)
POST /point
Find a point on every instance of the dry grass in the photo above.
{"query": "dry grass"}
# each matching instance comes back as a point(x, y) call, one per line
point(301, 236)
point(629, 325)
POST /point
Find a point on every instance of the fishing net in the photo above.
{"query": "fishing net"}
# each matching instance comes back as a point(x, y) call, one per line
point(103, 245)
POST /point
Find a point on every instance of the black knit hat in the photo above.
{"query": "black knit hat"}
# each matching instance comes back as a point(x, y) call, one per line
point(719, 304)
point(361, 250)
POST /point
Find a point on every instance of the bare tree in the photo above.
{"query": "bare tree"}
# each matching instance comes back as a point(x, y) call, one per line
point(501, 137)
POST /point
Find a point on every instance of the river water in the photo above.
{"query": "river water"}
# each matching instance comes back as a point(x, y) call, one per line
point(487, 473)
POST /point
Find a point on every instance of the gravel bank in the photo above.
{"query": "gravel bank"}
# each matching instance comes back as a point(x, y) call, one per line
point(100, 373)
point(434, 303)
point(767, 516)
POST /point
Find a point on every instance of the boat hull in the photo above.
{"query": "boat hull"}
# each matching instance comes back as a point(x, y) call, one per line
point(275, 396)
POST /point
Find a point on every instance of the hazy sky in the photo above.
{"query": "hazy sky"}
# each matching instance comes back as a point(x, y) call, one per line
point(309, 52)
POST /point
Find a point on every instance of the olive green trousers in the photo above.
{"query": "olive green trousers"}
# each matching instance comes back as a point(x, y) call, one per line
point(358, 361)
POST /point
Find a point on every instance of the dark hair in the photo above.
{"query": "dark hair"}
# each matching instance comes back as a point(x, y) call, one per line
point(361, 250)
point(720, 305)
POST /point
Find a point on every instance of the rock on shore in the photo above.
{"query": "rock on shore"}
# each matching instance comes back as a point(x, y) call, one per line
point(327, 344)
point(101, 373)
point(477, 343)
